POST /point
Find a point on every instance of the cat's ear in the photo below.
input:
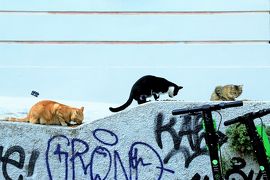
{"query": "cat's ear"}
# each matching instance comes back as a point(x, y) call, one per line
point(82, 108)
point(239, 87)
point(180, 87)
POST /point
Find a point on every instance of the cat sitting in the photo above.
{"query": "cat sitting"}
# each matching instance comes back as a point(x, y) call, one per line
point(226, 93)
point(146, 87)
point(52, 113)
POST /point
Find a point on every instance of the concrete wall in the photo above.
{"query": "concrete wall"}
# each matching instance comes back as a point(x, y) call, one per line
point(126, 145)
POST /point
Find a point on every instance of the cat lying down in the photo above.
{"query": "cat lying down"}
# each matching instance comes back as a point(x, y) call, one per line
point(52, 113)
point(226, 93)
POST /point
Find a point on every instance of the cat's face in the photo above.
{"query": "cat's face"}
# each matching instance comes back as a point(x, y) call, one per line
point(236, 90)
point(228, 92)
point(77, 115)
point(176, 90)
point(173, 90)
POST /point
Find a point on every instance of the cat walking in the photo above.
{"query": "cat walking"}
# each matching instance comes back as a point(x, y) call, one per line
point(146, 87)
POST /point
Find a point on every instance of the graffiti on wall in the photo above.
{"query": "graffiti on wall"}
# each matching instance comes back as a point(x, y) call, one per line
point(191, 127)
point(238, 164)
point(104, 156)
point(198, 177)
point(10, 158)
point(75, 153)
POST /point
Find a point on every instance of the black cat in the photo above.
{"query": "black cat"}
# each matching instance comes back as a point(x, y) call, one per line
point(147, 86)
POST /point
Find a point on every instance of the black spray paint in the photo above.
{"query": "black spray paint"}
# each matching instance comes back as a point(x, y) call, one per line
point(198, 177)
point(19, 164)
point(192, 128)
point(238, 164)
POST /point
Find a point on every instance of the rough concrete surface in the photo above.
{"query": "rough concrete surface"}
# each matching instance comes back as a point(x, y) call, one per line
point(125, 145)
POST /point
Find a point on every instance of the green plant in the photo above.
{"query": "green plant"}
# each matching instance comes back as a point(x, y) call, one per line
point(226, 164)
point(239, 140)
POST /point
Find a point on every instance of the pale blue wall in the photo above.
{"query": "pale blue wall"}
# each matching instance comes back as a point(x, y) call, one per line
point(105, 72)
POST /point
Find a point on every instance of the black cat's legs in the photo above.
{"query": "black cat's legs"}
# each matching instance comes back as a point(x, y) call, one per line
point(141, 102)
point(156, 96)
point(142, 99)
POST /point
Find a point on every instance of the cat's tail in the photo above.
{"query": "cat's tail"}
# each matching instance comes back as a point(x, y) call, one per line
point(124, 106)
point(17, 119)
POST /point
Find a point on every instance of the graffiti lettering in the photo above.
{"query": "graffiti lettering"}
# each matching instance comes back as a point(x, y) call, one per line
point(8, 158)
point(198, 177)
point(102, 131)
point(191, 127)
point(160, 128)
point(140, 156)
point(237, 165)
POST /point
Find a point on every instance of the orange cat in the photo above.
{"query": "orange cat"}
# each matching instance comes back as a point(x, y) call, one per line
point(52, 113)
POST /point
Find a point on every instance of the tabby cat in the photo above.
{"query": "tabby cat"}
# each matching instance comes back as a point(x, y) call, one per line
point(52, 113)
point(226, 93)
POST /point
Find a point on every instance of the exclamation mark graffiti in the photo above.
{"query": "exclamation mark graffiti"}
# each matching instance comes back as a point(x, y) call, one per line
point(32, 162)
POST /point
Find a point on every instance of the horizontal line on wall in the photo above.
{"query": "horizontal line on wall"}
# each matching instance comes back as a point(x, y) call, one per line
point(131, 12)
point(134, 42)
point(134, 67)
